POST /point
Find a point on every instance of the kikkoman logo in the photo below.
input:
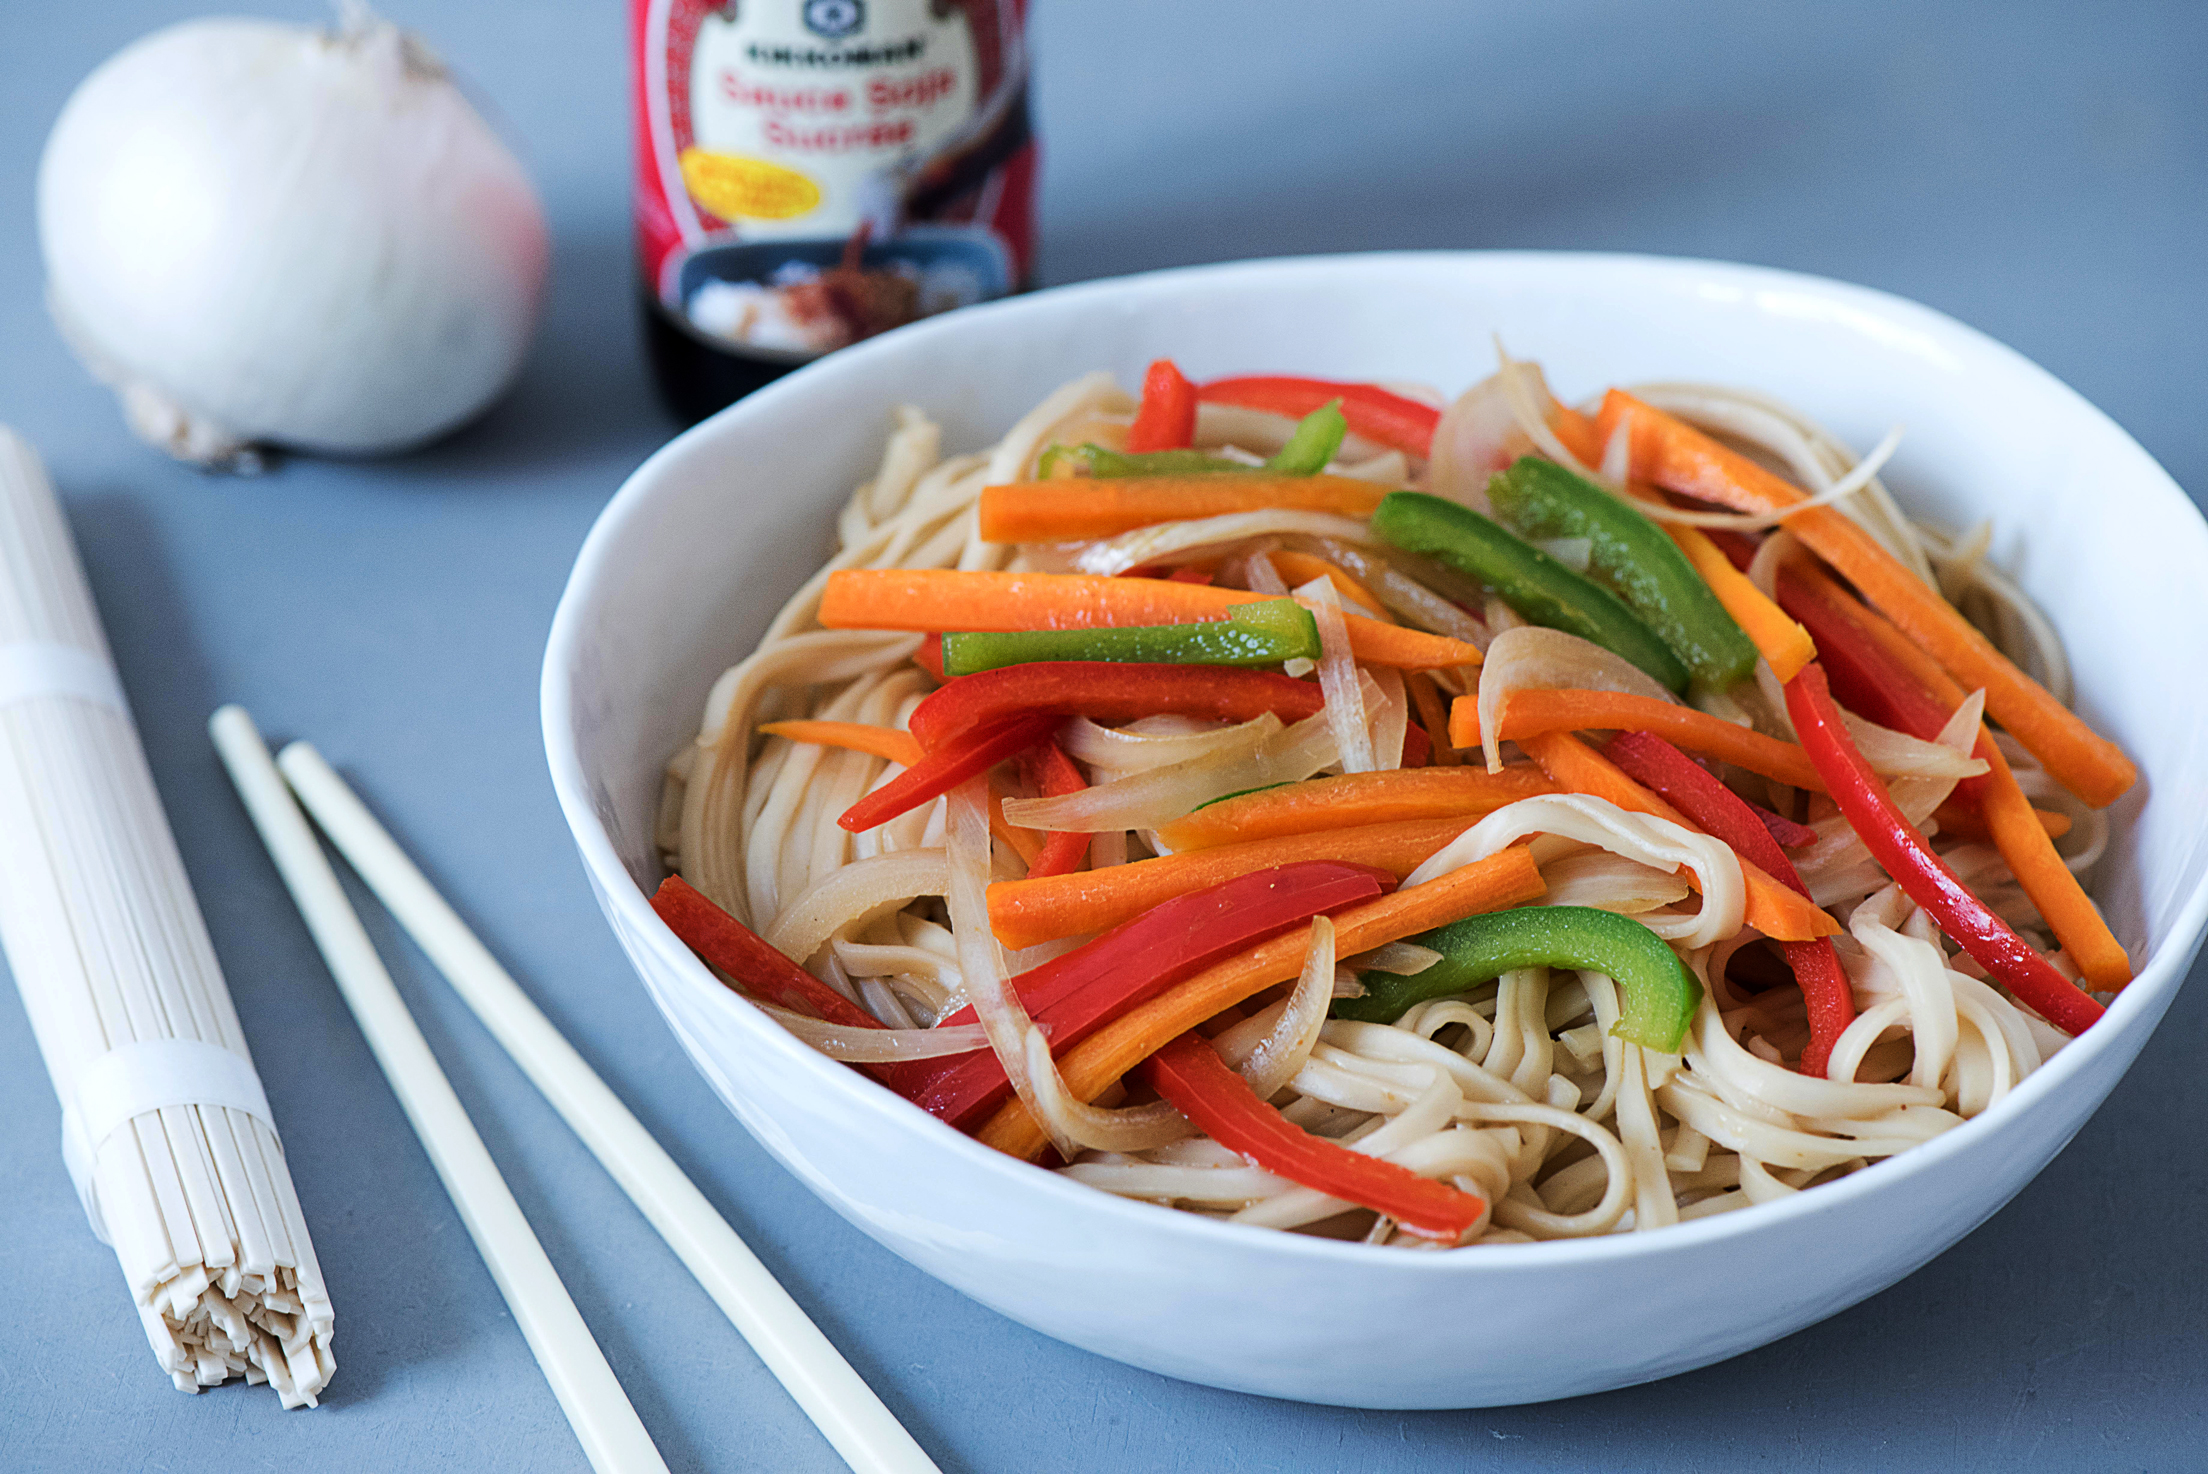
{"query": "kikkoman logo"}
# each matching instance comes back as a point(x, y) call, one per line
point(834, 19)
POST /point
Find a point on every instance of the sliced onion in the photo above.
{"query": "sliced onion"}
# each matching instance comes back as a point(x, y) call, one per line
point(1133, 1129)
point(859, 892)
point(1152, 742)
point(1477, 436)
point(1899, 755)
point(1391, 469)
point(1609, 882)
point(860, 1046)
point(1271, 1048)
point(1262, 577)
point(1532, 406)
point(1345, 697)
point(1146, 800)
point(980, 963)
point(1165, 539)
point(1391, 718)
point(1411, 600)
point(1401, 958)
point(1536, 658)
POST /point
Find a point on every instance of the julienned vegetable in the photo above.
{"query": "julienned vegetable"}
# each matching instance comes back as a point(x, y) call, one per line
point(1167, 417)
point(1218, 1101)
point(1070, 509)
point(261, 233)
point(1540, 499)
point(1898, 846)
point(1528, 580)
point(1264, 633)
point(969, 755)
point(1658, 994)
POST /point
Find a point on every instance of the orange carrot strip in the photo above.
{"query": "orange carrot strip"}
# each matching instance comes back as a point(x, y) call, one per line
point(1965, 822)
point(1682, 459)
point(1026, 843)
point(2024, 839)
point(1104, 506)
point(959, 599)
point(1529, 713)
point(2054, 891)
point(1026, 913)
point(1507, 879)
point(1776, 910)
point(883, 742)
point(1579, 435)
point(1351, 800)
point(1298, 569)
point(1433, 716)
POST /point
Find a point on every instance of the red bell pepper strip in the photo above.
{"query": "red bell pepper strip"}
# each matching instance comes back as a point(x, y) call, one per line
point(1133, 962)
point(929, 657)
point(1107, 691)
point(975, 751)
point(1220, 1102)
point(746, 956)
point(1054, 775)
point(1373, 412)
point(1790, 835)
point(1716, 810)
point(1904, 853)
point(1167, 418)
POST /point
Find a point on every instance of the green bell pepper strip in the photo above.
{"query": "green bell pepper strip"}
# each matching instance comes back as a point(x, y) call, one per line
point(1660, 993)
point(1540, 499)
point(1318, 435)
point(1099, 460)
point(1541, 589)
point(1266, 632)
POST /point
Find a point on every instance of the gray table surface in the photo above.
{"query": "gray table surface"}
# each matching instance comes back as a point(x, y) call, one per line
point(2039, 171)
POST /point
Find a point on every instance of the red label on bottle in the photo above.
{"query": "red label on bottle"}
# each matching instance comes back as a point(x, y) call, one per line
point(811, 171)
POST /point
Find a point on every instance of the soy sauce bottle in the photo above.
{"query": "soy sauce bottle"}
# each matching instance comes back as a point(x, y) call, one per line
point(812, 172)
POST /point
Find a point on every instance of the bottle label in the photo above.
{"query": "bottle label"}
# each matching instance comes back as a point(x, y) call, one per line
point(811, 171)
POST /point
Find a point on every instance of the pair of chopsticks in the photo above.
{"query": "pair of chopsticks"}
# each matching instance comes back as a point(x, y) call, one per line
point(841, 1405)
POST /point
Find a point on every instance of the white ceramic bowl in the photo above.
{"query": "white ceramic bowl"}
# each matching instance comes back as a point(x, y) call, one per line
point(710, 536)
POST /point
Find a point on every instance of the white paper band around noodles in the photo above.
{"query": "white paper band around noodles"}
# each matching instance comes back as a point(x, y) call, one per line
point(33, 668)
point(148, 1075)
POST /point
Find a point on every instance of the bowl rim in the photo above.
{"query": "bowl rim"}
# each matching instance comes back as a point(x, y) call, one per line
point(2149, 991)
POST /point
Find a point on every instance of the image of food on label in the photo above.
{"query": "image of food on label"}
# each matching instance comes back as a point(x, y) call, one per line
point(809, 116)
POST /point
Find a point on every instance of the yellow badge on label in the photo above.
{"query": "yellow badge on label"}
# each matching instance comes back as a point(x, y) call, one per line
point(731, 186)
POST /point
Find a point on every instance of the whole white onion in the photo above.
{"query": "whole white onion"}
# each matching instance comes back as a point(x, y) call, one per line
point(261, 233)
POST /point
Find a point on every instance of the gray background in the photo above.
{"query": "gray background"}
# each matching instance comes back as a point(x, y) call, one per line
point(2040, 171)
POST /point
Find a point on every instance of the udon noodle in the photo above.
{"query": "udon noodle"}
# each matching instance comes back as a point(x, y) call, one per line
point(1516, 1090)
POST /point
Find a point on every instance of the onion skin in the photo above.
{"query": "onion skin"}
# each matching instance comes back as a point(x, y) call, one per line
point(264, 234)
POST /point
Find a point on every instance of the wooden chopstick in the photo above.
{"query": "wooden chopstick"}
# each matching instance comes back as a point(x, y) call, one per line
point(840, 1404)
point(597, 1409)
